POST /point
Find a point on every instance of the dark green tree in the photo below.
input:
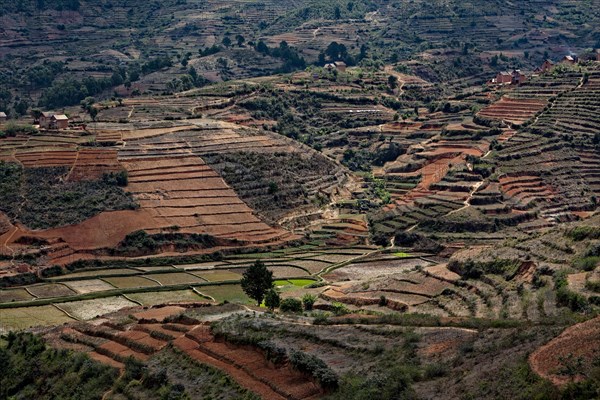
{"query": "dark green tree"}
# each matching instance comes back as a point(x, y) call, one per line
point(257, 280)
point(272, 299)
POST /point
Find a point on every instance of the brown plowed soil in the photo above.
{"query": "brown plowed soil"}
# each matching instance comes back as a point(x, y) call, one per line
point(578, 341)
point(106, 360)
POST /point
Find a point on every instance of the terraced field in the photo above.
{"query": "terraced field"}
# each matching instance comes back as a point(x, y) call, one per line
point(186, 193)
point(515, 111)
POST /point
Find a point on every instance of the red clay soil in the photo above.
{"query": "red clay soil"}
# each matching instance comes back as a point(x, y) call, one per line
point(92, 164)
point(106, 360)
point(247, 366)
point(513, 110)
point(117, 350)
point(241, 377)
point(581, 340)
point(106, 229)
point(185, 192)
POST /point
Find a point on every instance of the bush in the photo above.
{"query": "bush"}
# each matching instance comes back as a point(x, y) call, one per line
point(583, 232)
point(308, 300)
point(290, 305)
point(314, 366)
point(272, 299)
point(586, 263)
point(565, 297)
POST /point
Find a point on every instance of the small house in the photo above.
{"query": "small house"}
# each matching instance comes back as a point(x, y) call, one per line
point(598, 55)
point(518, 77)
point(3, 116)
point(568, 60)
point(45, 120)
point(59, 121)
point(338, 65)
point(49, 120)
point(503, 78)
point(546, 66)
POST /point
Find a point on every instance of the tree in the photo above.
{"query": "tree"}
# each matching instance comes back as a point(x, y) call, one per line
point(93, 112)
point(226, 41)
point(240, 40)
point(337, 13)
point(393, 82)
point(272, 299)
point(257, 280)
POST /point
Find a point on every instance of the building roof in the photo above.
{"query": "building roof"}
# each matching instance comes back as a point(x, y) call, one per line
point(2, 114)
point(339, 64)
point(47, 114)
point(505, 73)
point(569, 58)
point(60, 117)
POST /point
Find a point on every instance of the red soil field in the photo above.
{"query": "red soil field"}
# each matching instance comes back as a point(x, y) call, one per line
point(513, 110)
point(581, 340)
point(91, 164)
point(183, 191)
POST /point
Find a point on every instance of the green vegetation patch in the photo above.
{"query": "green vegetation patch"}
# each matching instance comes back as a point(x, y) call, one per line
point(231, 293)
point(41, 198)
point(10, 295)
point(294, 282)
point(584, 232)
point(27, 317)
point(30, 370)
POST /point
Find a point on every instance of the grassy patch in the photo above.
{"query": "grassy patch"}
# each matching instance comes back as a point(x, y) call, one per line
point(10, 295)
point(27, 317)
point(231, 293)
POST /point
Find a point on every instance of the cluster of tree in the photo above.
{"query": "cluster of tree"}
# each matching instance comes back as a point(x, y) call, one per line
point(43, 75)
point(30, 370)
point(292, 60)
point(214, 49)
point(187, 81)
point(71, 91)
point(338, 52)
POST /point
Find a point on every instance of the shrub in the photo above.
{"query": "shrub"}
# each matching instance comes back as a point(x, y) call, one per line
point(290, 305)
point(594, 286)
point(583, 232)
point(314, 366)
point(586, 263)
point(436, 370)
point(308, 300)
point(272, 299)
point(339, 309)
point(565, 297)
